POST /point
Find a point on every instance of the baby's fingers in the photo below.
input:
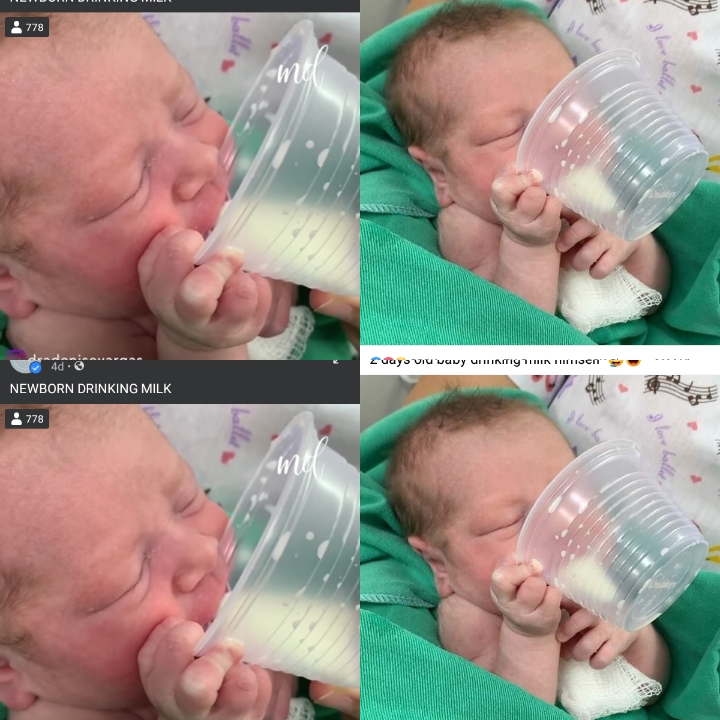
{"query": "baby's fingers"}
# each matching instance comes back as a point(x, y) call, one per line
point(609, 260)
point(532, 594)
point(575, 233)
point(591, 642)
point(200, 685)
point(590, 252)
point(163, 660)
point(246, 298)
point(507, 578)
point(508, 186)
point(245, 693)
point(200, 292)
point(166, 262)
point(577, 622)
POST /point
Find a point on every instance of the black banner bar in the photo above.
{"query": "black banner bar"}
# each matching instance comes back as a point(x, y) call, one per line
point(182, 381)
point(46, 6)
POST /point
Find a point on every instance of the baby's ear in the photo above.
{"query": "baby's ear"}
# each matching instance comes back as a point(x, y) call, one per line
point(435, 168)
point(13, 301)
point(435, 558)
point(12, 687)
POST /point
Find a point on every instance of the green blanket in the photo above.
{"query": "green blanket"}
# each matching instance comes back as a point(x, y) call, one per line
point(406, 675)
point(411, 296)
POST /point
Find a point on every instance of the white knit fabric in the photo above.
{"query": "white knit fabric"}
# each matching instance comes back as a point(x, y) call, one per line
point(588, 304)
point(588, 694)
point(290, 344)
point(301, 709)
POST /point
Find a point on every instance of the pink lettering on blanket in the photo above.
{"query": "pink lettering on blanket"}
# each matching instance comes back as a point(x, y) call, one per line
point(153, 20)
point(662, 429)
point(238, 433)
point(662, 41)
point(154, 412)
point(239, 41)
point(577, 420)
point(579, 31)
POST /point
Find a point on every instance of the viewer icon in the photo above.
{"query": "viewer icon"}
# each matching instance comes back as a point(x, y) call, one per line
point(17, 30)
point(17, 420)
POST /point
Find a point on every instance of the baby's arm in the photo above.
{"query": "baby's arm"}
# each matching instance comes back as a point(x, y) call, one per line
point(468, 631)
point(649, 264)
point(528, 652)
point(650, 655)
point(520, 646)
point(530, 272)
point(528, 262)
point(468, 241)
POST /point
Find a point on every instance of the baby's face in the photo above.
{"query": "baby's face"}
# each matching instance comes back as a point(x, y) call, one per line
point(123, 538)
point(119, 145)
point(493, 87)
point(495, 478)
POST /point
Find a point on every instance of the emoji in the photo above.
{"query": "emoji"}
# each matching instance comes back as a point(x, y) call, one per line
point(633, 363)
point(616, 363)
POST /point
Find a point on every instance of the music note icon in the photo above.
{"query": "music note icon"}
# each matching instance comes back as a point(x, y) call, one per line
point(653, 384)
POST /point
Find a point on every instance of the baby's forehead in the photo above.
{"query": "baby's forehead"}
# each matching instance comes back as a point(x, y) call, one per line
point(474, 454)
point(88, 95)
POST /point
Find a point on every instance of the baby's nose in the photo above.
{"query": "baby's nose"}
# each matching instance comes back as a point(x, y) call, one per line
point(201, 560)
point(199, 168)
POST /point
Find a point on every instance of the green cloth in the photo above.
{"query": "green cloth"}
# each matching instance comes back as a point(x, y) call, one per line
point(411, 296)
point(406, 675)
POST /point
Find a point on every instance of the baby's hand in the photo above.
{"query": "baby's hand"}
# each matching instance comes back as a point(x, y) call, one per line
point(529, 216)
point(529, 605)
point(586, 247)
point(217, 686)
point(213, 306)
point(586, 637)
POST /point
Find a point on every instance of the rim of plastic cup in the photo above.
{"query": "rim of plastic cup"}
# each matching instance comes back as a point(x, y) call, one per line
point(561, 482)
point(557, 97)
point(293, 102)
point(262, 553)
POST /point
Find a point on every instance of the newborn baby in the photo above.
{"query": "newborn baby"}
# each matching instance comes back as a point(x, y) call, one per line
point(461, 92)
point(461, 482)
point(109, 568)
point(110, 177)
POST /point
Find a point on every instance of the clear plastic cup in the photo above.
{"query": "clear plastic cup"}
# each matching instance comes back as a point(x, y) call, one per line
point(610, 147)
point(293, 153)
point(611, 539)
point(293, 551)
